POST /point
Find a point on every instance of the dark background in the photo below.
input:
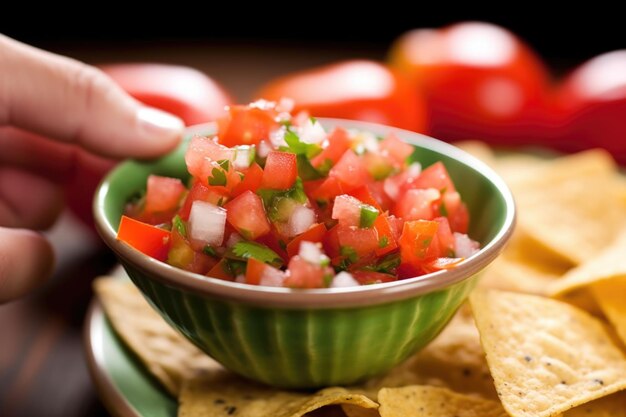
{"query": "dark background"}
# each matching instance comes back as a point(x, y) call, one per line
point(564, 36)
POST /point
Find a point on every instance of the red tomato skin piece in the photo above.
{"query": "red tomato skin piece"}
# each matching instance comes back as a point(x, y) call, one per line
point(247, 215)
point(281, 170)
point(148, 239)
point(244, 125)
point(315, 234)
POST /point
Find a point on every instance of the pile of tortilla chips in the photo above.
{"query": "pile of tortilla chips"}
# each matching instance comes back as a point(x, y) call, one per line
point(543, 335)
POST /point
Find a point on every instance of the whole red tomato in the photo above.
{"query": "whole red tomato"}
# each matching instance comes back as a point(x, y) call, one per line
point(183, 91)
point(360, 90)
point(479, 80)
point(592, 100)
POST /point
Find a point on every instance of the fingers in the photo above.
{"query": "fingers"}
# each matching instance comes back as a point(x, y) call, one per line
point(26, 261)
point(27, 200)
point(64, 99)
point(60, 162)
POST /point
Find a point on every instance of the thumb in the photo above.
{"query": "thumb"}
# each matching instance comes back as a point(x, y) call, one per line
point(66, 100)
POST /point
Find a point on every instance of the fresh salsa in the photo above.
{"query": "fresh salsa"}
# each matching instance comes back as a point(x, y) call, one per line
point(275, 199)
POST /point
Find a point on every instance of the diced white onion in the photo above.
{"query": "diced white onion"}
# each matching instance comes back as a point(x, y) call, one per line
point(369, 141)
point(285, 104)
point(392, 187)
point(414, 170)
point(343, 279)
point(240, 279)
point(207, 222)
point(272, 277)
point(277, 137)
point(464, 247)
point(311, 252)
point(312, 132)
point(243, 157)
point(233, 239)
point(264, 148)
point(302, 218)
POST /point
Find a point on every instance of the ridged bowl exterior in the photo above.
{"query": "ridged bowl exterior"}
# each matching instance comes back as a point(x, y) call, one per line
point(312, 338)
point(305, 348)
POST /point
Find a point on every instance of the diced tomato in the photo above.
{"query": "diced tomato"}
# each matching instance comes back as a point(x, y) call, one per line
point(148, 239)
point(202, 154)
point(163, 193)
point(251, 180)
point(372, 277)
point(379, 166)
point(247, 215)
point(364, 195)
point(363, 241)
point(443, 243)
point(415, 242)
point(275, 242)
point(329, 189)
point(315, 234)
point(199, 191)
point(459, 219)
point(396, 224)
point(303, 274)
point(386, 236)
point(416, 204)
point(435, 176)
point(377, 191)
point(254, 271)
point(350, 171)
point(338, 144)
point(246, 125)
point(330, 243)
point(281, 170)
point(398, 150)
point(220, 271)
point(182, 255)
point(347, 210)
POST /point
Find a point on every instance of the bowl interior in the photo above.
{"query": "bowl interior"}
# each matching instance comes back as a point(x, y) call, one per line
point(480, 189)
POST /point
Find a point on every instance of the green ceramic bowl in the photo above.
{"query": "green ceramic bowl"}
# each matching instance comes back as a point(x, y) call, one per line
point(312, 338)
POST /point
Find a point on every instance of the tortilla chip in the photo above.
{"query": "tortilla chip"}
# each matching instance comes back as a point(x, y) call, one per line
point(167, 355)
point(355, 411)
point(574, 286)
point(611, 296)
point(430, 401)
point(545, 356)
point(224, 395)
point(455, 359)
point(612, 406)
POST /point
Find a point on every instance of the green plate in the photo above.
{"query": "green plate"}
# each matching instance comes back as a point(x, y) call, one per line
point(125, 387)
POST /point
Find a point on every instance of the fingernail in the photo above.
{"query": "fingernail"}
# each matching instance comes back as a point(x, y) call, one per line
point(156, 122)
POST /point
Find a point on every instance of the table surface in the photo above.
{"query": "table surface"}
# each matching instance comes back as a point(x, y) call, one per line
point(42, 365)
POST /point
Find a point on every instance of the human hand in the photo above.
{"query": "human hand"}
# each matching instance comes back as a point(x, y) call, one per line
point(43, 96)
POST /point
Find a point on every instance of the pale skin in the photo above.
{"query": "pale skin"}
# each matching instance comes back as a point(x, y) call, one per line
point(46, 102)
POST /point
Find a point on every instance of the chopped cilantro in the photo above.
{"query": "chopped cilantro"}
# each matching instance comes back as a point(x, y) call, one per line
point(179, 225)
point(383, 242)
point(325, 166)
point(243, 250)
point(387, 265)
point(234, 267)
point(271, 197)
point(328, 279)
point(349, 253)
point(443, 210)
point(295, 145)
point(218, 177)
point(224, 163)
point(368, 216)
point(306, 171)
point(313, 120)
point(208, 250)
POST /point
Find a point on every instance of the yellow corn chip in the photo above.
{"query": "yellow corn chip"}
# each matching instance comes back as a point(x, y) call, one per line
point(611, 296)
point(356, 411)
point(545, 356)
point(612, 406)
point(168, 356)
point(427, 401)
point(224, 395)
point(455, 359)
point(574, 286)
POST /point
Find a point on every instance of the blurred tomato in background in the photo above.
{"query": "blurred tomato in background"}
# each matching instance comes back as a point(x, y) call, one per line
point(183, 91)
point(479, 81)
point(592, 102)
point(359, 90)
